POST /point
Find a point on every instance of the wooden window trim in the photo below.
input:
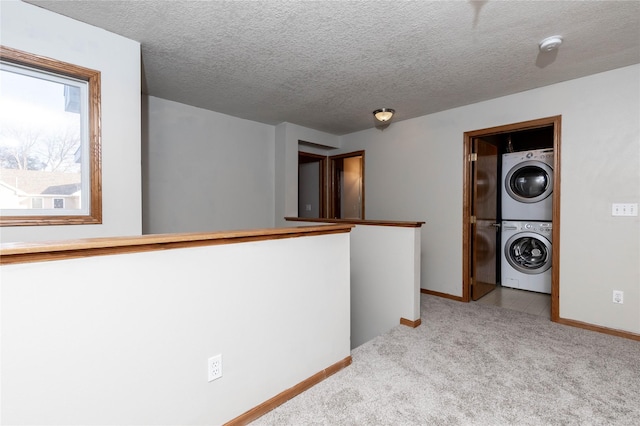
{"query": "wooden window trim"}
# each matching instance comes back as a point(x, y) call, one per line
point(92, 77)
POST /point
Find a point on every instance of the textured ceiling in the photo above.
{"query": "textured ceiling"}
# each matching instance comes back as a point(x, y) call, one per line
point(327, 65)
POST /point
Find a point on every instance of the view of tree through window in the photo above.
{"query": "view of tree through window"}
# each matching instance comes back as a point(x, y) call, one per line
point(47, 128)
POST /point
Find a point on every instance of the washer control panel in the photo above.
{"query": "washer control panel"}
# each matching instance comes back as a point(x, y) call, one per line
point(543, 227)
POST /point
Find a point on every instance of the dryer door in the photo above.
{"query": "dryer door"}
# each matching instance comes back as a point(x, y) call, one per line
point(529, 181)
point(528, 252)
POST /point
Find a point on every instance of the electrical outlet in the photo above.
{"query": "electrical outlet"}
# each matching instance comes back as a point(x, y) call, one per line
point(215, 367)
point(618, 296)
point(624, 209)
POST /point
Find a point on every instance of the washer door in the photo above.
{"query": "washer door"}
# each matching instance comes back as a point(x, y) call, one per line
point(528, 252)
point(529, 181)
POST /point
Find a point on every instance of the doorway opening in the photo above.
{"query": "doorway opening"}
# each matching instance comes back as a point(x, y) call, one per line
point(483, 181)
point(331, 186)
point(312, 185)
point(347, 186)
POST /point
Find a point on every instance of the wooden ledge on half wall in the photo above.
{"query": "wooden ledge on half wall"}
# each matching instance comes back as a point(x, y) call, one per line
point(400, 224)
point(67, 249)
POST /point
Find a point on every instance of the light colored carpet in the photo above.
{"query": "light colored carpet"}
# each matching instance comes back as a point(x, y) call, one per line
point(473, 364)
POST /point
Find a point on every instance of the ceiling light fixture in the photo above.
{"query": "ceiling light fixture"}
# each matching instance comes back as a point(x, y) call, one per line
point(383, 114)
point(550, 43)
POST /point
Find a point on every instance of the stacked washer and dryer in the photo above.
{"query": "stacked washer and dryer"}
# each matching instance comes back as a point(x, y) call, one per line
point(527, 213)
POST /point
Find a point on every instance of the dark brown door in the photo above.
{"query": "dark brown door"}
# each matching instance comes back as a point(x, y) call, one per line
point(484, 232)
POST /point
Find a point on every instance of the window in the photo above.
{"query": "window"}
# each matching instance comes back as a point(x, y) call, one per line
point(36, 203)
point(50, 165)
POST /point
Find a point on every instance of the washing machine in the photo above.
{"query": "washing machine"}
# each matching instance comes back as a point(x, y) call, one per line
point(526, 255)
point(527, 185)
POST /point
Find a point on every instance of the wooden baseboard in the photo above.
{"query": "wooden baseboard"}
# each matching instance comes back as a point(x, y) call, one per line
point(599, 329)
point(409, 323)
point(445, 295)
point(286, 395)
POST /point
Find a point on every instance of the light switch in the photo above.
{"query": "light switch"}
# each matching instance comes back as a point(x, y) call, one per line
point(624, 209)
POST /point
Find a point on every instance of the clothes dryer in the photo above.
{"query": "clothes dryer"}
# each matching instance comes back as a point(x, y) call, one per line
point(526, 255)
point(527, 185)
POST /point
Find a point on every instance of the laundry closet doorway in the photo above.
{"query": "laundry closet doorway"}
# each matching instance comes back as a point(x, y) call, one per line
point(481, 203)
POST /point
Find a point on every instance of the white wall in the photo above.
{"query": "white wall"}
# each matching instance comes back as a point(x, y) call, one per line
point(414, 172)
point(385, 278)
point(205, 171)
point(125, 339)
point(35, 30)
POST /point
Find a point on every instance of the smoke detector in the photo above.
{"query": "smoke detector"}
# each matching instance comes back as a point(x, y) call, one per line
point(550, 43)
